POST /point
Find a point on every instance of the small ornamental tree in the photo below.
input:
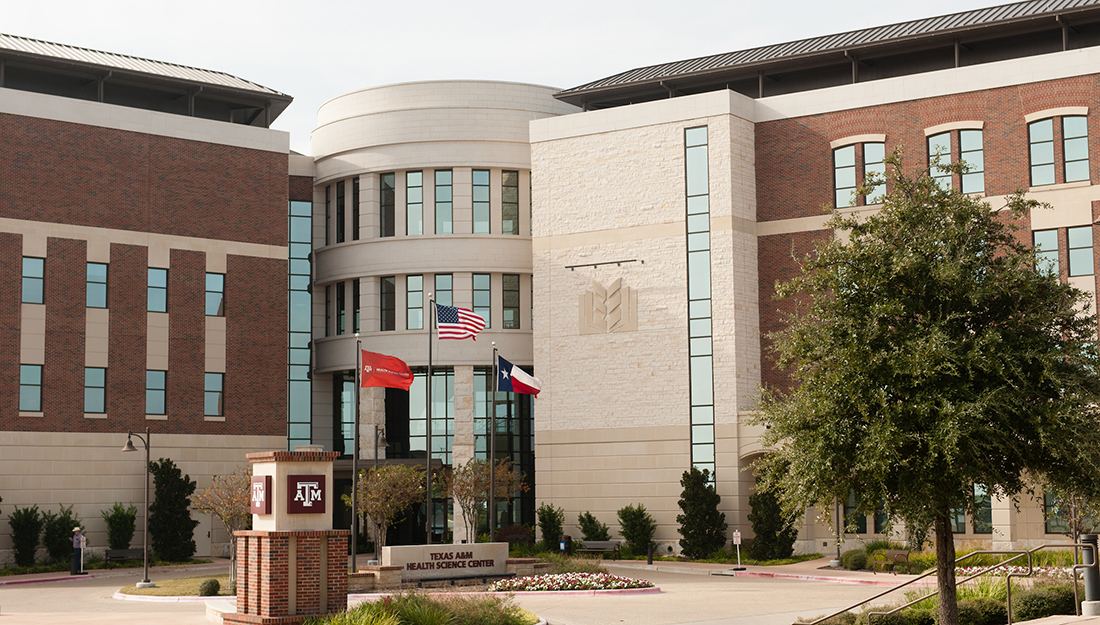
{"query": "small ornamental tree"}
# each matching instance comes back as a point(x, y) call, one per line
point(26, 528)
point(592, 528)
point(774, 533)
point(57, 533)
point(637, 527)
point(468, 486)
point(702, 526)
point(384, 494)
point(121, 521)
point(171, 528)
point(227, 499)
point(551, 523)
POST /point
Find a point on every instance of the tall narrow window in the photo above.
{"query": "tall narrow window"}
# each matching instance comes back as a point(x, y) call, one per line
point(387, 203)
point(483, 297)
point(1046, 251)
point(388, 302)
point(700, 359)
point(1075, 147)
point(414, 302)
point(156, 385)
point(1080, 251)
point(510, 301)
point(844, 176)
point(983, 520)
point(96, 288)
point(355, 209)
point(1040, 136)
point(328, 215)
point(340, 211)
point(158, 290)
point(443, 289)
point(355, 304)
point(444, 223)
point(874, 162)
point(341, 309)
point(939, 155)
point(299, 386)
point(414, 203)
point(95, 390)
point(213, 396)
point(853, 521)
point(30, 388)
point(215, 295)
point(1055, 521)
point(509, 202)
point(328, 310)
point(973, 154)
point(958, 520)
point(34, 271)
point(481, 201)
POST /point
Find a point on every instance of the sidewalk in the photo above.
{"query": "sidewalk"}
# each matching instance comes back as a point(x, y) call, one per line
point(62, 576)
point(812, 570)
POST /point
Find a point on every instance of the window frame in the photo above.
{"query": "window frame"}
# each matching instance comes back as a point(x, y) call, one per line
point(152, 391)
point(387, 202)
point(28, 271)
point(387, 300)
point(510, 301)
point(443, 206)
point(1072, 266)
point(152, 289)
point(215, 394)
point(509, 207)
point(30, 386)
point(102, 388)
point(483, 297)
point(482, 224)
point(95, 286)
point(218, 292)
point(341, 212)
point(418, 307)
point(1066, 139)
point(410, 211)
point(1033, 165)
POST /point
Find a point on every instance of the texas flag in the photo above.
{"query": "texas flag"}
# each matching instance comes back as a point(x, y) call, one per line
point(512, 379)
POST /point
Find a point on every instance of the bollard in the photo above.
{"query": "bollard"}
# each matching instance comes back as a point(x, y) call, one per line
point(1091, 605)
point(649, 554)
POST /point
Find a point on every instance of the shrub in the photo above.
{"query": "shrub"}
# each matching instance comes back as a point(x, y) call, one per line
point(209, 587)
point(774, 535)
point(120, 522)
point(26, 527)
point(57, 533)
point(171, 528)
point(516, 535)
point(854, 560)
point(702, 526)
point(637, 528)
point(1042, 601)
point(551, 520)
point(983, 611)
point(592, 528)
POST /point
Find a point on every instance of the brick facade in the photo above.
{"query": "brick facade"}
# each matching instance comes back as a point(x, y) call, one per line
point(126, 299)
point(186, 341)
point(64, 297)
point(256, 345)
point(11, 271)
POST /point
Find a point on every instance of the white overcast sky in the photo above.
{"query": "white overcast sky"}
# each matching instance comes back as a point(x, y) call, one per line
point(317, 50)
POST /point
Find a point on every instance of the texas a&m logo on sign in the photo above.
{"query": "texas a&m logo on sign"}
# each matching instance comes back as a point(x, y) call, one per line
point(260, 496)
point(305, 494)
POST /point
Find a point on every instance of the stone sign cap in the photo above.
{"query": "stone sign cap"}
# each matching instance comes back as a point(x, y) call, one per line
point(292, 456)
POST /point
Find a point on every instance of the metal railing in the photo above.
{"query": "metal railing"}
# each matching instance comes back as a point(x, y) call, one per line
point(1001, 565)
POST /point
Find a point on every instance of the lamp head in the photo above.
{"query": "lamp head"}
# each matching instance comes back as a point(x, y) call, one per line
point(129, 446)
point(382, 442)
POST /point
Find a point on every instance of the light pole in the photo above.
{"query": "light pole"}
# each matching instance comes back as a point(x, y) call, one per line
point(129, 446)
point(379, 441)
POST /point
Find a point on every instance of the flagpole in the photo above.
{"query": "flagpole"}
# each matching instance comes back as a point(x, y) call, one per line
point(493, 452)
point(428, 448)
point(355, 455)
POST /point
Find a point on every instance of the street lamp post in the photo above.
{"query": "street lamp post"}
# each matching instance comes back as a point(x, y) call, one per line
point(129, 446)
point(379, 441)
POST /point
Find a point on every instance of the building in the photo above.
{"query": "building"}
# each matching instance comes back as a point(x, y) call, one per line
point(143, 276)
point(665, 213)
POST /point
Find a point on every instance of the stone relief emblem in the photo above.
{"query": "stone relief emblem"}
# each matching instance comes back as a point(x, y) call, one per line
point(608, 309)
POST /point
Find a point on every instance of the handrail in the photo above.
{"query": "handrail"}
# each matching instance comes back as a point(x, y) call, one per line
point(999, 565)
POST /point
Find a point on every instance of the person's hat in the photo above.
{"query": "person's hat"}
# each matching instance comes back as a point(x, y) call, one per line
point(76, 529)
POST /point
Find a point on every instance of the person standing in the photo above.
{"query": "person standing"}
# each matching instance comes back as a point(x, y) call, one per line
point(77, 563)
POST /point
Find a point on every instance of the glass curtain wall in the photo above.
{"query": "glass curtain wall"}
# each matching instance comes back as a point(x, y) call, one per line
point(515, 441)
point(700, 357)
point(299, 412)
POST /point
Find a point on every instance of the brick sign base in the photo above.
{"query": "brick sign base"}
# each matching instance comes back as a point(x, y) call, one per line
point(286, 577)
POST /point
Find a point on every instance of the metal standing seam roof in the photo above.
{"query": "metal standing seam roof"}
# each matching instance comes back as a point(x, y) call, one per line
point(838, 42)
point(135, 64)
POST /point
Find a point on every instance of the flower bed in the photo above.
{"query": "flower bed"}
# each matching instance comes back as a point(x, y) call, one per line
point(1046, 572)
point(569, 581)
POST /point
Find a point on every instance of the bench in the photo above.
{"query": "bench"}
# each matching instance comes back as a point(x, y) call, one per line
point(118, 555)
point(889, 560)
point(599, 546)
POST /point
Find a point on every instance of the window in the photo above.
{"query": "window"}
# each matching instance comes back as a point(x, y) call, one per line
point(481, 201)
point(388, 304)
point(355, 209)
point(1080, 250)
point(853, 521)
point(95, 390)
point(510, 300)
point(700, 358)
point(355, 303)
point(158, 290)
point(213, 397)
point(972, 153)
point(509, 202)
point(299, 387)
point(387, 202)
point(328, 310)
point(34, 271)
point(1040, 136)
point(340, 212)
point(30, 388)
point(328, 215)
point(215, 295)
point(443, 289)
point(983, 520)
point(155, 389)
point(958, 520)
point(847, 176)
point(96, 291)
point(1055, 522)
point(1046, 251)
point(483, 297)
point(414, 302)
point(414, 203)
point(341, 309)
point(874, 162)
point(939, 153)
point(444, 223)
point(1075, 147)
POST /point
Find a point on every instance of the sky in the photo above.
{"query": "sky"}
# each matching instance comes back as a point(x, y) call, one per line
point(315, 51)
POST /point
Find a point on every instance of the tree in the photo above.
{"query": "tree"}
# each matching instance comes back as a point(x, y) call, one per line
point(121, 522)
point(592, 528)
point(468, 486)
point(171, 528)
point(57, 533)
point(551, 521)
point(1079, 513)
point(227, 498)
point(773, 532)
point(26, 528)
point(384, 493)
point(637, 527)
point(930, 356)
point(702, 526)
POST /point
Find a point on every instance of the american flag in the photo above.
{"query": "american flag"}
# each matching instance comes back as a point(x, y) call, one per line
point(457, 323)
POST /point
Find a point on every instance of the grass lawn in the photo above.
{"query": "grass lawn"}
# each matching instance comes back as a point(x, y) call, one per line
point(179, 587)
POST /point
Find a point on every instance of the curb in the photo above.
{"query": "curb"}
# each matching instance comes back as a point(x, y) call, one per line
point(154, 599)
point(813, 578)
point(525, 593)
point(43, 580)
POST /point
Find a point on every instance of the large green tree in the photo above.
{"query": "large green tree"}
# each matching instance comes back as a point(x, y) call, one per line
point(930, 356)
